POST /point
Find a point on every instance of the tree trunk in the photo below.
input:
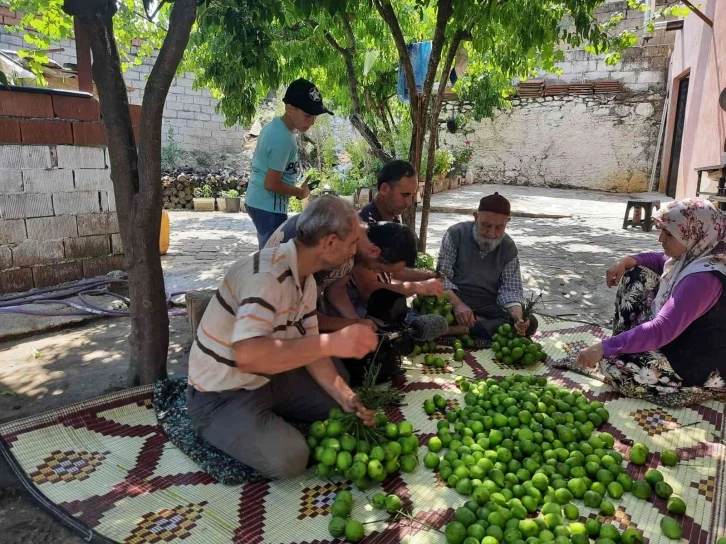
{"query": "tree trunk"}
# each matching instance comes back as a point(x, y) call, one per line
point(388, 14)
point(136, 174)
point(433, 137)
point(369, 136)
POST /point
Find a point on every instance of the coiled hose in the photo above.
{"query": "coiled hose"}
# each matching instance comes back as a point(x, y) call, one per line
point(57, 295)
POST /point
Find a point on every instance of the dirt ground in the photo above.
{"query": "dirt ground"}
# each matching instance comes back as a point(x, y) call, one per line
point(75, 364)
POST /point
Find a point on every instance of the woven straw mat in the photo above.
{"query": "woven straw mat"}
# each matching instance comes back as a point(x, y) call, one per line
point(105, 468)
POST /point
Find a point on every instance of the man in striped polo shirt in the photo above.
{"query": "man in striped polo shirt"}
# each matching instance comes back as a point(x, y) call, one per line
point(382, 248)
point(258, 359)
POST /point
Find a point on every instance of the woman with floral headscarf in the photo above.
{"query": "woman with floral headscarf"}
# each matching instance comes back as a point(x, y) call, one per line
point(669, 342)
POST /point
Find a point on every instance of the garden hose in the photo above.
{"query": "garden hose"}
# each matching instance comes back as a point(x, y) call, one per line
point(17, 304)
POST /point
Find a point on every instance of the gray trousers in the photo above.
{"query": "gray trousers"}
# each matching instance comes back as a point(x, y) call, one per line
point(250, 425)
point(488, 319)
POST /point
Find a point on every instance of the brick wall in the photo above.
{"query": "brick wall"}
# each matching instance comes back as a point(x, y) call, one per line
point(57, 212)
point(190, 113)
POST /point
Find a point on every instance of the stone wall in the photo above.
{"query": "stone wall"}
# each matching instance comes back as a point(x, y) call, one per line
point(602, 142)
point(597, 141)
point(57, 209)
point(190, 113)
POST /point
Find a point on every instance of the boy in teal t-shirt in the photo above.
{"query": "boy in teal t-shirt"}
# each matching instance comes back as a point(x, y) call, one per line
point(275, 164)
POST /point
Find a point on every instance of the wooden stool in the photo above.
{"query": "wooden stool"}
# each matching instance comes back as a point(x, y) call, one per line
point(638, 206)
point(197, 302)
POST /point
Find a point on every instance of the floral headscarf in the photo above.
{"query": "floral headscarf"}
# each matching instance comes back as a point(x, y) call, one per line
point(701, 228)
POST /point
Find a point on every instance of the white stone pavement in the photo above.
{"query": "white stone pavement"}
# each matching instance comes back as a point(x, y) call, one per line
point(565, 259)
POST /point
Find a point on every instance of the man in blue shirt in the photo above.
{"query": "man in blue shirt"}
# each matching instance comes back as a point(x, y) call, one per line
point(275, 164)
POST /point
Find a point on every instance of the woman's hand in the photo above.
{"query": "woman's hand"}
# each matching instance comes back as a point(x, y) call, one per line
point(614, 274)
point(590, 357)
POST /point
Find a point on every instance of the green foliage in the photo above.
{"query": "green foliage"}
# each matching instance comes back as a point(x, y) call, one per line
point(294, 205)
point(487, 92)
point(462, 156)
point(232, 193)
point(425, 261)
point(205, 191)
point(365, 166)
point(231, 52)
point(443, 160)
point(171, 153)
point(51, 25)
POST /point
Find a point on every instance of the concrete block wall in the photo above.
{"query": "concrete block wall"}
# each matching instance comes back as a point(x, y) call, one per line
point(643, 68)
point(190, 113)
point(57, 211)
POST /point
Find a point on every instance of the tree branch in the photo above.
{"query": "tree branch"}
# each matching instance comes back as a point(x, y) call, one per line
point(181, 19)
point(135, 175)
point(349, 65)
point(349, 33)
point(124, 7)
point(443, 14)
point(459, 36)
point(357, 121)
point(332, 41)
point(387, 13)
point(156, 11)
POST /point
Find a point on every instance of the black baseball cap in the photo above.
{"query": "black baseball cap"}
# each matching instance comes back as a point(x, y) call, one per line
point(305, 95)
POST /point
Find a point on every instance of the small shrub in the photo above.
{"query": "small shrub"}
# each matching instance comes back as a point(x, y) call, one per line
point(425, 261)
point(461, 160)
point(205, 191)
point(443, 159)
point(171, 153)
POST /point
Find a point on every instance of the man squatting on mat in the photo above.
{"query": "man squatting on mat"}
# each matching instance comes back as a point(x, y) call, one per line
point(259, 359)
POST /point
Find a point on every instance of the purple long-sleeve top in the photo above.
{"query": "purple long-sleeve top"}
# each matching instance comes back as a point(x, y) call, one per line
point(692, 297)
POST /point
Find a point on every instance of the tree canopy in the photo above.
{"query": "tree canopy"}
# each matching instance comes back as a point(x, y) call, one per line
point(242, 49)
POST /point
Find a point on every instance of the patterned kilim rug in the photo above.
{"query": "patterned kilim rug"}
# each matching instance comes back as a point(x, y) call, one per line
point(105, 467)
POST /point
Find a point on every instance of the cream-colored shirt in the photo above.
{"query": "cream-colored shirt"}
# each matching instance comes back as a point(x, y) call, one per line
point(260, 295)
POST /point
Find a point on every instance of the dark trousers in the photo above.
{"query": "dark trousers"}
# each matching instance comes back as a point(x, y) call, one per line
point(251, 426)
point(266, 223)
point(488, 320)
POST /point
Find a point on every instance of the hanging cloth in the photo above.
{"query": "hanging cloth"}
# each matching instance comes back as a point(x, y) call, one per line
point(419, 54)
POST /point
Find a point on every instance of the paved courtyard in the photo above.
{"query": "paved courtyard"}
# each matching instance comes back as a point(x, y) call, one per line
point(565, 259)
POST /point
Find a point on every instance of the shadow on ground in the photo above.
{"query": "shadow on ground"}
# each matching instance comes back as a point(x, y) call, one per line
point(565, 260)
point(73, 365)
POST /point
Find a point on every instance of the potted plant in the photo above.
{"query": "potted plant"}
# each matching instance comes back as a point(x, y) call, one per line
point(443, 160)
point(232, 200)
point(462, 157)
point(203, 200)
point(221, 201)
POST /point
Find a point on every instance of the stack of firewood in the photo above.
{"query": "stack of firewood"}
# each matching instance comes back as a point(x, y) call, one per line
point(179, 186)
